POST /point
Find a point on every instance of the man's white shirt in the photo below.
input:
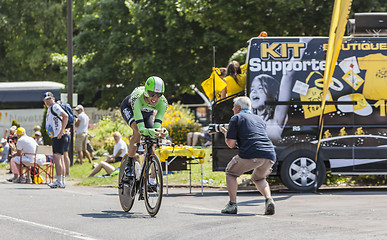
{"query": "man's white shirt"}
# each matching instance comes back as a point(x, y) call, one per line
point(84, 123)
point(120, 145)
point(53, 123)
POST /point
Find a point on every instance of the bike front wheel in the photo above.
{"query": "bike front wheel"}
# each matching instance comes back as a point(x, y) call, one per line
point(126, 189)
point(153, 185)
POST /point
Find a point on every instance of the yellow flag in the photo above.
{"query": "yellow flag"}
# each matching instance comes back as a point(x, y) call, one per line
point(339, 20)
point(214, 81)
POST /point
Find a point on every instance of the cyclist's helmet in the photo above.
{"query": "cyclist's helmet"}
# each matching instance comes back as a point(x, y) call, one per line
point(154, 85)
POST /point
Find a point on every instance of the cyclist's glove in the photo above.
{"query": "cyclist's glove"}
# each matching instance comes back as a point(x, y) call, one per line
point(165, 131)
point(150, 132)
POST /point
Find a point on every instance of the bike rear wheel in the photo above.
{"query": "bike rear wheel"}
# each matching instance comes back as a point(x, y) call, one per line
point(126, 190)
point(153, 192)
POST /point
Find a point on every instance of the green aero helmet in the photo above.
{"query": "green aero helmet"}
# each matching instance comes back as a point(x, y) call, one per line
point(154, 84)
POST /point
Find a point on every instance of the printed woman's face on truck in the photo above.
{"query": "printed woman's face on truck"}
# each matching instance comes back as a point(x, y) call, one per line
point(264, 88)
point(257, 95)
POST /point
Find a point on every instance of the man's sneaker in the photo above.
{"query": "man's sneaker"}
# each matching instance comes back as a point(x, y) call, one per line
point(269, 206)
point(11, 179)
point(57, 184)
point(230, 208)
point(19, 180)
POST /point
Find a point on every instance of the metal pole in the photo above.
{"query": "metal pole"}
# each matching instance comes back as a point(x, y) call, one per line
point(70, 80)
point(166, 173)
point(201, 172)
point(213, 64)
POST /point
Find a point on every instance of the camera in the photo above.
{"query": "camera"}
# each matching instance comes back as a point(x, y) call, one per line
point(214, 128)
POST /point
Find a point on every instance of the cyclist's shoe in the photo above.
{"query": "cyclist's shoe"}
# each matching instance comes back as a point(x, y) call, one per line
point(129, 171)
point(128, 175)
point(230, 208)
point(152, 187)
point(269, 206)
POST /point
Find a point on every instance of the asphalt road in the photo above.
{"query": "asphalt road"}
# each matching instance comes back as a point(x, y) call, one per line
point(29, 211)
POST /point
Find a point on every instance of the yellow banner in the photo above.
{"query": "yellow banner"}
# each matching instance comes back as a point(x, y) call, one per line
point(213, 84)
point(339, 20)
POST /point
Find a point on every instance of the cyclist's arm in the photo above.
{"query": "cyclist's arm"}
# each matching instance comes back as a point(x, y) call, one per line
point(138, 116)
point(161, 108)
point(140, 121)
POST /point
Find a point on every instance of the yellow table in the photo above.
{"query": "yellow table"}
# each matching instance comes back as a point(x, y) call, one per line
point(189, 154)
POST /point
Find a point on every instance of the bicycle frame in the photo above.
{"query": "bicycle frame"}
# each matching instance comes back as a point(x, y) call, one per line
point(149, 142)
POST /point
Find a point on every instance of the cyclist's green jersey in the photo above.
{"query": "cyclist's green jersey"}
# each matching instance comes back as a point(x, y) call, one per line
point(138, 104)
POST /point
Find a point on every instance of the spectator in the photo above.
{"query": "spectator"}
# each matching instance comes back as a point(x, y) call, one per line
point(12, 135)
point(27, 146)
point(13, 168)
point(110, 168)
point(193, 137)
point(120, 149)
point(66, 158)
point(255, 152)
point(103, 165)
point(81, 124)
point(36, 128)
point(55, 127)
point(235, 79)
point(5, 150)
point(38, 138)
point(90, 148)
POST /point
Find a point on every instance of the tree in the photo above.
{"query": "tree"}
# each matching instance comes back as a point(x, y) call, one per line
point(120, 43)
point(29, 32)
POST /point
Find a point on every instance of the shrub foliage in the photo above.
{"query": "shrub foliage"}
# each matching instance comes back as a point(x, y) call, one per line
point(179, 121)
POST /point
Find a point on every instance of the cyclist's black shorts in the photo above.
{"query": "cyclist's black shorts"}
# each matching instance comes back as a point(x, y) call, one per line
point(128, 115)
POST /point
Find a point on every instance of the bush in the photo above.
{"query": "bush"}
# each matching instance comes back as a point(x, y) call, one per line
point(179, 121)
point(102, 140)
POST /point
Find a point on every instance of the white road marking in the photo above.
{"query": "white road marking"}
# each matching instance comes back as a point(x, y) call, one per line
point(52, 229)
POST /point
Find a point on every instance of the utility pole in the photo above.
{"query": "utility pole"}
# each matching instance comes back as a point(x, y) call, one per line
point(70, 80)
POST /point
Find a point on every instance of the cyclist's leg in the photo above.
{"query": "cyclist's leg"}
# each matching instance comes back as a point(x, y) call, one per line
point(128, 115)
point(134, 140)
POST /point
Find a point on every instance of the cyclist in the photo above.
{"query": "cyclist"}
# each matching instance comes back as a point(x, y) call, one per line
point(144, 110)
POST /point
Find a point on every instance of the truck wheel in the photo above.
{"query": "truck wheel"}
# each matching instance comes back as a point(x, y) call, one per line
point(299, 171)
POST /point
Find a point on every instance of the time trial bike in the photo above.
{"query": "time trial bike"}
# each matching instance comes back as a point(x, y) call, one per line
point(148, 184)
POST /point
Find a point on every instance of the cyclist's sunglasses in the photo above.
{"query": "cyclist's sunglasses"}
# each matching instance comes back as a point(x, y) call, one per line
point(153, 94)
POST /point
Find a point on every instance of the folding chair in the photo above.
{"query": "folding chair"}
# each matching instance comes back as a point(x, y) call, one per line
point(42, 165)
point(47, 166)
point(26, 167)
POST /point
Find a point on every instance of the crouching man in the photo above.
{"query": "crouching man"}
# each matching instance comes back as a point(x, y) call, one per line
point(256, 152)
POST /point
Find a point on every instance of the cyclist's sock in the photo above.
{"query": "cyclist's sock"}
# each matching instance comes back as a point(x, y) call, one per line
point(129, 167)
point(138, 170)
point(152, 181)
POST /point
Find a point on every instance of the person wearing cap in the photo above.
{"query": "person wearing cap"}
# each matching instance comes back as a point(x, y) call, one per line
point(12, 136)
point(4, 151)
point(82, 125)
point(55, 127)
point(36, 128)
point(38, 137)
point(27, 146)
